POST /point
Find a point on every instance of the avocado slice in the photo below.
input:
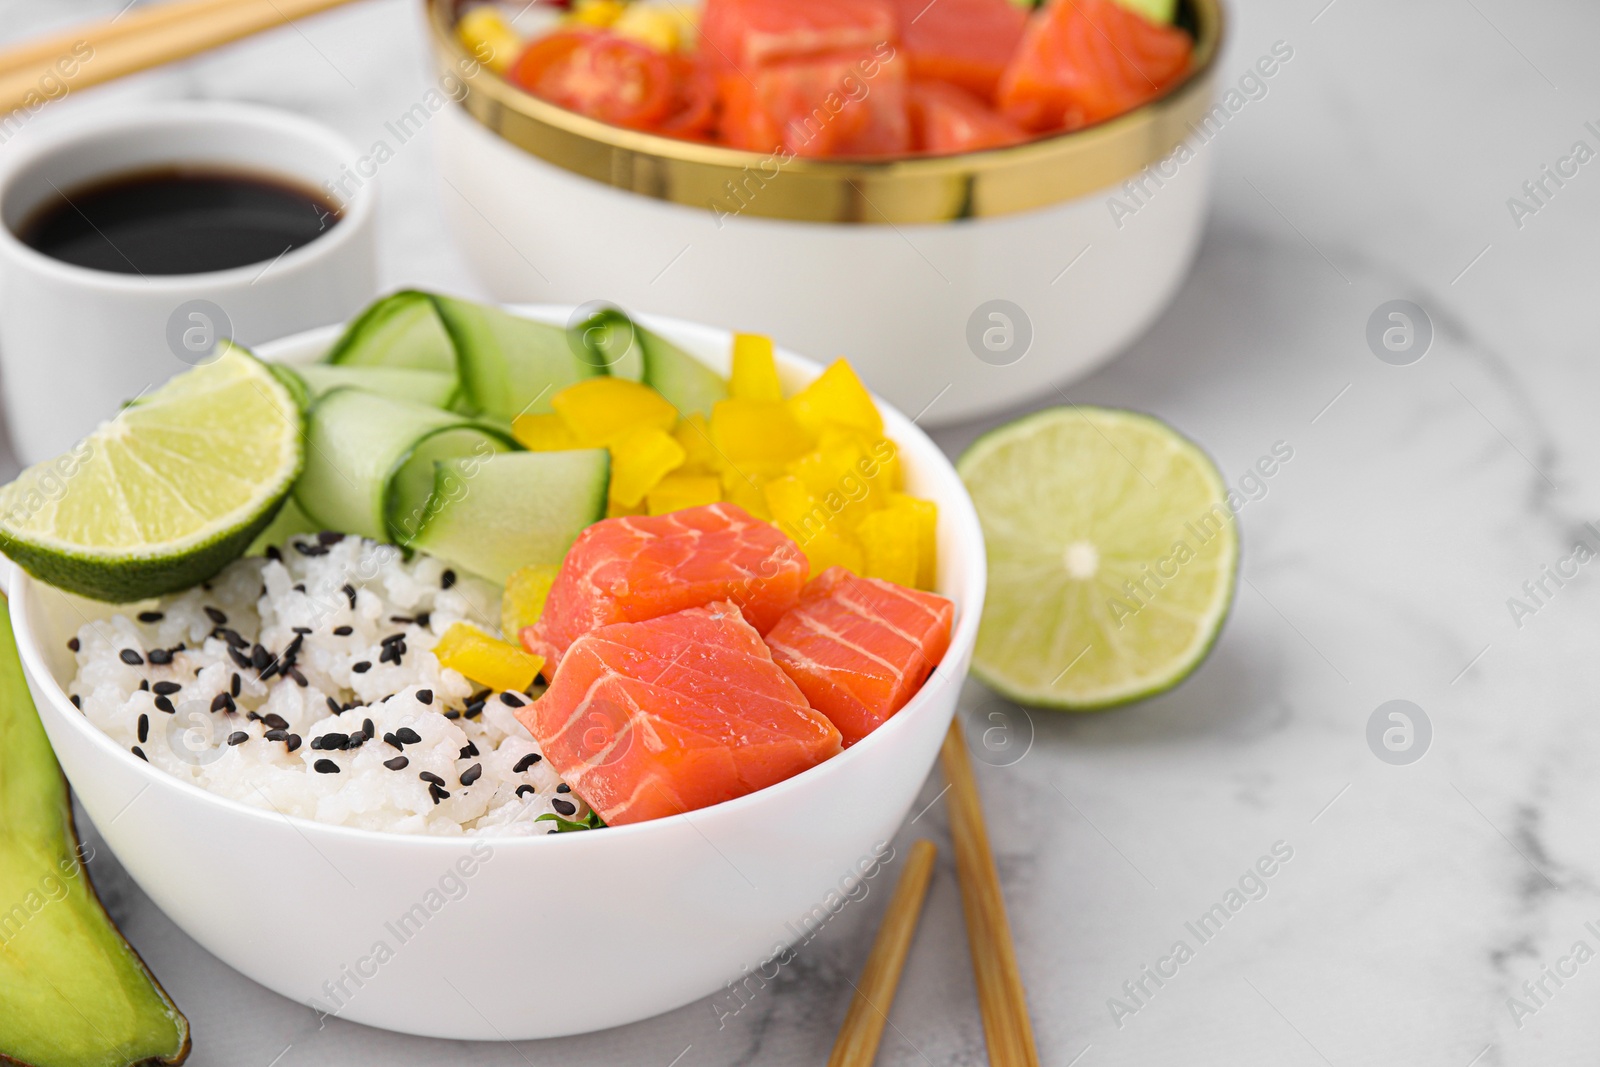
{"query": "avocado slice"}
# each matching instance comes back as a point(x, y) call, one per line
point(73, 993)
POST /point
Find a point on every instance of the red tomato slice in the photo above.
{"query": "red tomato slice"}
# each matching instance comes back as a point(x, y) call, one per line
point(601, 75)
point(840, 104)
point(748, 33)
point(968, 42)
point(694, 114)
point(946, 118)
point(1084, 61)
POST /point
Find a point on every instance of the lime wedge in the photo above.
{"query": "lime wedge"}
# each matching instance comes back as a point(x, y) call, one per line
point(1112, 557)
point(167, 493)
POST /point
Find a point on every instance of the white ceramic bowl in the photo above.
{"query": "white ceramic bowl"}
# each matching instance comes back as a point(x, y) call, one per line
point(638, 919)
point(896, 265)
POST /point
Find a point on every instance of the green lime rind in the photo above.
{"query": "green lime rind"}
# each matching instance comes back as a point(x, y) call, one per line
point(168, 492)
point(1061, 627)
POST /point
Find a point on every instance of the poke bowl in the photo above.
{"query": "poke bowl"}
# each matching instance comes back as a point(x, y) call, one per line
point(489, 936)
point(969, 281)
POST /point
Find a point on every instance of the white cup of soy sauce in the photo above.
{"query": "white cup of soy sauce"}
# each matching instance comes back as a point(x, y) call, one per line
point(132, 241)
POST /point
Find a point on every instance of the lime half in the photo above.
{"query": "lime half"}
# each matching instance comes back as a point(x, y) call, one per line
point(1112, 557)
point(167, 493)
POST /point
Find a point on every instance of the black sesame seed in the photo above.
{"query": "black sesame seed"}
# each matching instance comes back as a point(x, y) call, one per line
point(391, 739)
point(233, 637)
point(73, 644)
point(160, 657)
point(399, 763)
point(343, 631)
point(512, 700)
point(526, 761)
point(276, 721)
point(350, 593)
point(564, 807)
point(263, 589)
point(236, 684)
point(474, 709)
point(151, 616)
point(299, 679)
point(471, 774)
point(388, 654)
point(137, 751)
point(293, 648)
point(219, 702)
point(77, 701)
point(260, 657)
point(272, 668)
point(239, 658)
point(392, 639)
point(144, 685)
point(362, 667)
point(144, 727)
point(216, 616)
point(524, 790)
point(310, 550)
point(273, 554)
point(238, 737)
point(429, 776)
point(325, 766)
point(335, 707)
point(423, 619)
point(252, 716)
point(468, 751)
point(293, 742)
point(405, 619)
point(131, 658)
point(407, 736)
point(369, 729)
point(425, 695)
point(452, 714)
point(331, 742)
point(164, 704)
point(447, 579)
point(358, 739)
point(166, 689)
point(563, 788)
point(300, 587)
point(437, 793)
point(330, 537)
point(302, 630)
point(277, 735)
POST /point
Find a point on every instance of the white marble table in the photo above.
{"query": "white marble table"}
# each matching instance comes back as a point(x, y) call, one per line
point(1378, 565)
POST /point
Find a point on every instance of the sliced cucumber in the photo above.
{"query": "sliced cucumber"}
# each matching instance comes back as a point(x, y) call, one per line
point(627, 350)
point(370, 458)
point(436, 389)
point(492, 515)
point(402, 330)
point(509, 365)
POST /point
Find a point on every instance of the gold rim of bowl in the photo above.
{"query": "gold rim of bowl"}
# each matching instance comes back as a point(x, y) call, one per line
point(905, 191)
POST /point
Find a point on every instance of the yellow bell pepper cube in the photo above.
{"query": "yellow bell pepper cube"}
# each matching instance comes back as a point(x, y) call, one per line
point(639, 459)
point(654, 27)
point(851, 472)
point(543, 433)
point(523, 601)
point(757, 434)
point(889, 546)
point(693, 432)
point(678, 491)
point(488, 37)
point(837, 395)
point(755, 371)
point(746, 492)
point(597, 13)
point(811, 525)
point(926, 514)
point(487, 660)
point(599, 411)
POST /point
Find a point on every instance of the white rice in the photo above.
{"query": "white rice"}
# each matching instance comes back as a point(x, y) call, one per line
point(264, 600)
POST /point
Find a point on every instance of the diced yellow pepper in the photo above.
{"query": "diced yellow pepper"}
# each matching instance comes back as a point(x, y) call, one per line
point(848, 473)
point(655, 27)
point(523, 601)
point(543, 433)
point(889, 546)
point(597, 13)
point(926, 513)
point(746, 492)
point(812, 526)
point(615, 510)
point(489, 38)
point(639, 459)
point(837, 395)
point(487, 660)
point(757, 434)
point(693, 432)
point(755, 371)
point(598, 411)
point(678, 491)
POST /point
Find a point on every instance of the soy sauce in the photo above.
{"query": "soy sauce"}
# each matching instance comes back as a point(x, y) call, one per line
point(178, 220)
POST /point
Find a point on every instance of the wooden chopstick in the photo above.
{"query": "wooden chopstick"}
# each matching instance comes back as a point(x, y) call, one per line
point(144, 38)
point(1001, 999)
point(857, 1045)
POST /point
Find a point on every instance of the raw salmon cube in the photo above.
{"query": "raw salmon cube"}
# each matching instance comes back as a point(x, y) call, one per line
point(1084, 61)
point(642, 566)
point(859, 648)
point(946, 119)
point(965, 42)
point(838, 104)
point(647, 719)
point(750, 33)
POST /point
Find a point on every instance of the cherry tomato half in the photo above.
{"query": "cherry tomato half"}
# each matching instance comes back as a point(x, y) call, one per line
point(601, 75)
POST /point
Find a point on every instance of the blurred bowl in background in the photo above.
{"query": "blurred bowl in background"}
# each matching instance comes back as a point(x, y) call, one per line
point(958, 285)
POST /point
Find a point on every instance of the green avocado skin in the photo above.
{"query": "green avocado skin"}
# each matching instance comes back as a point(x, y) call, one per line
point(73, 993)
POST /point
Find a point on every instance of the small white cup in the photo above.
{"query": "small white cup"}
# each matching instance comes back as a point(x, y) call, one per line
point(76, 343)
